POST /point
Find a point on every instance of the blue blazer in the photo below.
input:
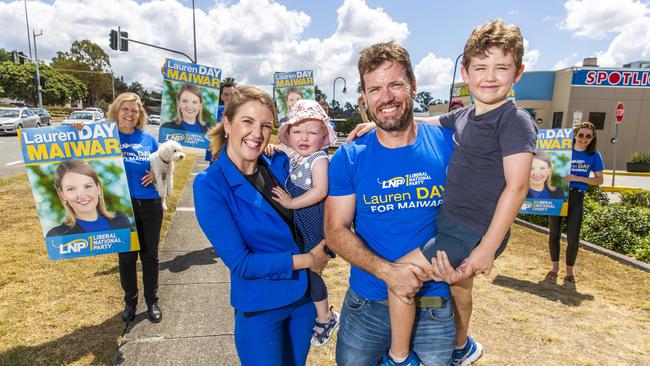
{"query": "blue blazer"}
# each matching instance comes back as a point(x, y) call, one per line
point(251, 238)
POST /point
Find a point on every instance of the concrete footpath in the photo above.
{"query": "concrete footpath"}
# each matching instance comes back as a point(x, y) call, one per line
point(197, 325)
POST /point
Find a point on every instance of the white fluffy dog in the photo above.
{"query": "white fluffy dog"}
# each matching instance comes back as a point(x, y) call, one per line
point(162, 166)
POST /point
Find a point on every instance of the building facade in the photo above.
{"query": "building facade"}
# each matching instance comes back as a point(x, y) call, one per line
point(564, 97)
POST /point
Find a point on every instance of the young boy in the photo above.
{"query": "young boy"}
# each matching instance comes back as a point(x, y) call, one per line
point(487, 182)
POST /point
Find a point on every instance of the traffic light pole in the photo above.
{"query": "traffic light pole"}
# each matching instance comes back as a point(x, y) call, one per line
point(161, 48)
point(120, 41)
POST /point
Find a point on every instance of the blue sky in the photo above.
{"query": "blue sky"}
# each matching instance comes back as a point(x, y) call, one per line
point(250, 39)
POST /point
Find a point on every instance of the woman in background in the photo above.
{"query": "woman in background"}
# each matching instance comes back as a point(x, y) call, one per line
point(584, 160)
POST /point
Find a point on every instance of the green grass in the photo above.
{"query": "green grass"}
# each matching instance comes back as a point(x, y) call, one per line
point(57, 312)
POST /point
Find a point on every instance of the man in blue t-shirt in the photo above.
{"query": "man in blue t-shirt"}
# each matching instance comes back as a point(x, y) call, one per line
point(389, 185)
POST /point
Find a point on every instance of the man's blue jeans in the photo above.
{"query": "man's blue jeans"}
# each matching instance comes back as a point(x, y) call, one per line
point(364, 332)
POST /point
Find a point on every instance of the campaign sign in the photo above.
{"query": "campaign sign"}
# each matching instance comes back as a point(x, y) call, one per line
point(190, 102)
point(548, 192)
point(80, 188)
point(290, 87)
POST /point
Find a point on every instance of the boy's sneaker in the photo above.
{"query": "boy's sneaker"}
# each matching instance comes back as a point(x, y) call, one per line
point(468, 355)
point(385, 360)
point(319, 339)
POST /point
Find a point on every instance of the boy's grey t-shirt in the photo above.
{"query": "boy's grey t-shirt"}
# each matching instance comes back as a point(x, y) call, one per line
point(475, 178)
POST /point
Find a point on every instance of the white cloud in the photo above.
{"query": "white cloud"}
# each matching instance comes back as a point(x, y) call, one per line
point(597, 18)
point(530, 56)
point(248, 40)
point(567, 62)
point(629, 20)
point(434, 73)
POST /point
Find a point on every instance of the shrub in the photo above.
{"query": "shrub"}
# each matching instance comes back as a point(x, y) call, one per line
point(595, 193)
point(623, 227)
point(636, 198)
point(640, 157)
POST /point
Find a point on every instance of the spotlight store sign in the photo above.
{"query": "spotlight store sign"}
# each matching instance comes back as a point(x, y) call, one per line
point(611, 78)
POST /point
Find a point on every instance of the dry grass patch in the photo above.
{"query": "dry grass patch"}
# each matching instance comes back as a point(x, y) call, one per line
point(57, 312)
point(604, 319)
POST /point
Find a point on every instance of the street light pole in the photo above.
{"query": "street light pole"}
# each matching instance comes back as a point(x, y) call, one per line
point(334, 87)
point(113, 84)
point(453, 80)
point(194, 29)
point(38, 72)
point(29, 42)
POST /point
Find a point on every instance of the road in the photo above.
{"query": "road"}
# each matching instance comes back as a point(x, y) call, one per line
point(11, 159)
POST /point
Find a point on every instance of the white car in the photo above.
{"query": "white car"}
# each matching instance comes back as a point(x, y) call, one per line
point(154, 119)
point(84, 116)
point(98, 110)
point(12, 119)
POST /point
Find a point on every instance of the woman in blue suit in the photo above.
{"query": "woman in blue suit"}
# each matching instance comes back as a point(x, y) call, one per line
point(252, 234)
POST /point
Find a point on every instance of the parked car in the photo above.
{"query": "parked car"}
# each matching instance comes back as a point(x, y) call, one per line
point(154, 119)
point(84, 116)
point(12, 119)
point(98, 110)
point(46, 119)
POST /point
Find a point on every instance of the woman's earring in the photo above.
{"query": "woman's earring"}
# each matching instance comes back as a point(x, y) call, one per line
point(226, 135)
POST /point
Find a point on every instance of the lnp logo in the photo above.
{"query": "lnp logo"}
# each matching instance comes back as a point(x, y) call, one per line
point(392, 183)
point(74, 246)
point(178, 137)
point(527, 205)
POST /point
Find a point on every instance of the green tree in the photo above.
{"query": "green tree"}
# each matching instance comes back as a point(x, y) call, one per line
point(137, 88)
point(87, 56)
point(423, 99)
point(335, 109)
point(319, 94)
point(17, 81)
point(120, 86)
point(4, 55)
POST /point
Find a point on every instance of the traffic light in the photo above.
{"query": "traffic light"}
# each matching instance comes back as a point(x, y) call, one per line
point(21, 57)
point(113, 38)
point(124, 41)
point(42, 82)
point(14, 57)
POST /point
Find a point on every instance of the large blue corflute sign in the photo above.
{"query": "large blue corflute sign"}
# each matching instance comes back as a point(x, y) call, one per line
point(611, 78)
point(190, 102)
point(80, 188)
point(289, 87)
point(547, 191)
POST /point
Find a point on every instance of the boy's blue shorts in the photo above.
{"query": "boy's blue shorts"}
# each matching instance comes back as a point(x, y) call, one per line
point(456, 240)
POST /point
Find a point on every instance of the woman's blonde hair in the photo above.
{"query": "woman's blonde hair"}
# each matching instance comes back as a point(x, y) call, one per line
point(114, 108)
point(242, 95)
point(193, 89)
point(80, 167)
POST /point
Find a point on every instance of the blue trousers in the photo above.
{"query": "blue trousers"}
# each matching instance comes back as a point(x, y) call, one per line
point(277, 337)
point(364, 333)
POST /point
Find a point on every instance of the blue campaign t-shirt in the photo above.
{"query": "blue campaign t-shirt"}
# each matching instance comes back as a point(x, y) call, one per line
point(582, 164)
point(101, 224)
point(543, 194)
point(398, 193)
point(192, 127)
point(136, 149)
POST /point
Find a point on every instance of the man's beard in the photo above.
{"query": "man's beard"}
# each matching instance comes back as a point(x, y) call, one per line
point(398, 124)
